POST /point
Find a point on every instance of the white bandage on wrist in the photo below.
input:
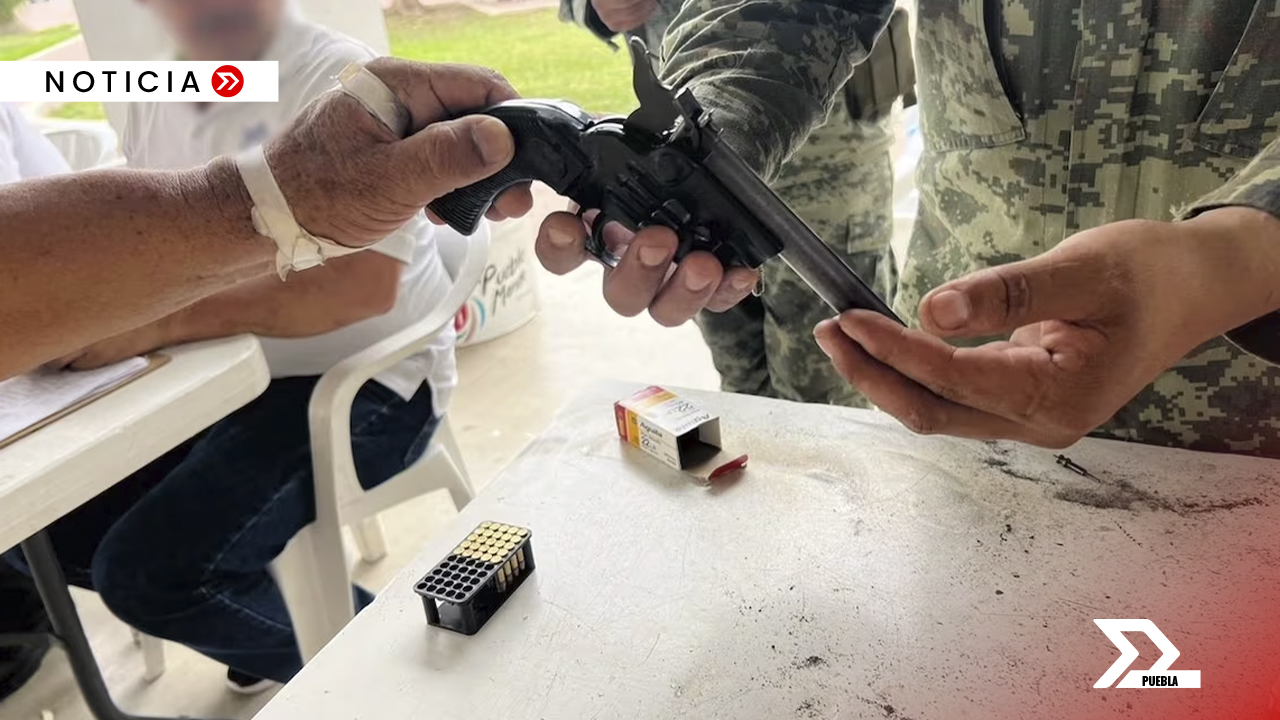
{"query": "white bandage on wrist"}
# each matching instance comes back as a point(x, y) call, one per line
point(272, 217)
point(356, 81)
point(297, 248)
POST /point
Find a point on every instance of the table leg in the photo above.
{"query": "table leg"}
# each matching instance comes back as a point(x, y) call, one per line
point(66, 627)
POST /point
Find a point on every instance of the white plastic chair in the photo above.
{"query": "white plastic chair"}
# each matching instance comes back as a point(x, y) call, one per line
point(312, 572)
point(84, 144)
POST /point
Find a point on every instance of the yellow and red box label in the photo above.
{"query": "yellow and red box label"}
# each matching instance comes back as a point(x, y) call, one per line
point(672, 429)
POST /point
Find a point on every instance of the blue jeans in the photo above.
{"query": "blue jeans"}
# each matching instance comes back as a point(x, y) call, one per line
point(180, 549)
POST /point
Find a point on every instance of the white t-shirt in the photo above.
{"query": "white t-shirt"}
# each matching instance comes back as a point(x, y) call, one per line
point(181, 135)
point(24, 152)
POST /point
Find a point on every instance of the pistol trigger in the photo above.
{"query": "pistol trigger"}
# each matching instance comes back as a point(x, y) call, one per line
point(596, 242)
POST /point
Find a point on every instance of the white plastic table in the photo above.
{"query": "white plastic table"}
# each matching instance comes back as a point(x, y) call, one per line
point(53, 471)
point(853, 571)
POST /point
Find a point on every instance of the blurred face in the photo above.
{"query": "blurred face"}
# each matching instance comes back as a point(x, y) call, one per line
point(220, 29)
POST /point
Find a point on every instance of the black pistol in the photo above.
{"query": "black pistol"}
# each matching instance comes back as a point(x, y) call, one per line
point(666, 164)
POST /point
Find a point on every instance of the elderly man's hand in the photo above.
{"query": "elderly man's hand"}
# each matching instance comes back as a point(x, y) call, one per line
point(645, 277)
point(1093, 321)
point(349, 179)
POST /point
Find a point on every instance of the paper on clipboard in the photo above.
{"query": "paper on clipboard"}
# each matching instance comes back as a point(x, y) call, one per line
point(29, 402)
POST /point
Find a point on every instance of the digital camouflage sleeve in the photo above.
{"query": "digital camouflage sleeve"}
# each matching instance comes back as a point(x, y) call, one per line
point(1040, 119)
point(770, 71)
point(1258, 187)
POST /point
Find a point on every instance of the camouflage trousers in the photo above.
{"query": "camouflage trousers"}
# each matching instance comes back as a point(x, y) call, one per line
point(841, 183)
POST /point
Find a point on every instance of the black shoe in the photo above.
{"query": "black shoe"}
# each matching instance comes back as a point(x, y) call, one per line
point(18, 665)
point(243, 683)
point(20, 612)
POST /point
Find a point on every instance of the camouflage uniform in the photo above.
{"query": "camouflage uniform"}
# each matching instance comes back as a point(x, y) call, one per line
point(1040, 119)
point(841, 183)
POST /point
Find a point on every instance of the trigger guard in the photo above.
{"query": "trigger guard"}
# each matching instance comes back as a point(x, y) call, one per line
point(595, 241)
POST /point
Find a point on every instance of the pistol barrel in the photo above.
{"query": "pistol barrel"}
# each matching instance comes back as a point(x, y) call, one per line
point(818, 265)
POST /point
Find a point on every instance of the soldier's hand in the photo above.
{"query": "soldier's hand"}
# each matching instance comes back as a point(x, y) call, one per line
point(646, 277)
point(348, 178)
point(624, 15)
point(1092, 322)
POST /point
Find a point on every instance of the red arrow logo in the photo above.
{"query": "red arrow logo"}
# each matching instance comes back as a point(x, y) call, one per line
point(227, 81)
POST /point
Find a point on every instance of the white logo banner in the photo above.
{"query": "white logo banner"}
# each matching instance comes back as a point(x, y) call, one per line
point(139, 81)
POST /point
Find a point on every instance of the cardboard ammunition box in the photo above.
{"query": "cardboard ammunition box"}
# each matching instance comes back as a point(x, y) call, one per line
point(677, 432)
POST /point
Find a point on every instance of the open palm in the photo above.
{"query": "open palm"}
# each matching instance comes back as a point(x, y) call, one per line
point(1089, 323)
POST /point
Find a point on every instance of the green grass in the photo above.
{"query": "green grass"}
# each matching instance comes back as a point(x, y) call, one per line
point(540, 55)
point(16, 47)
point(80, 111)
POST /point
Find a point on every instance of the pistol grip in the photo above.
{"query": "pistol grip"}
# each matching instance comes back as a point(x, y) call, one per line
point(547, 148)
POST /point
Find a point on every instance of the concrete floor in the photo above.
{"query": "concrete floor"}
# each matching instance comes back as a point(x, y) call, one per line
point(510, 388)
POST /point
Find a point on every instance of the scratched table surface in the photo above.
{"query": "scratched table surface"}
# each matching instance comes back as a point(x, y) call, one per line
point(56, 469)
point(854, 570)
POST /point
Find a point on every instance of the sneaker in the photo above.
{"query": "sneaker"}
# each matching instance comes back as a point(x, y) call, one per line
point(243, 683)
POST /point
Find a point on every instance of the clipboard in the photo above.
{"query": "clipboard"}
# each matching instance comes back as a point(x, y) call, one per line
point(154, 362)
